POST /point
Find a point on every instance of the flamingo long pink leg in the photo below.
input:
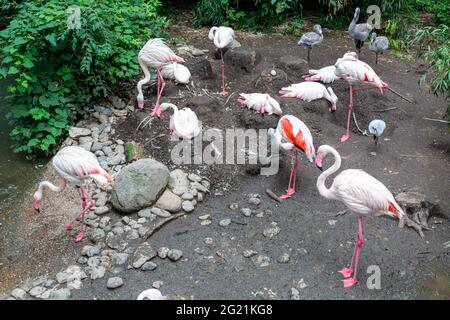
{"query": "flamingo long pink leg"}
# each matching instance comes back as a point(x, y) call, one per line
point(161, 84)
point(292, 177)
point(350, 109)
point(222, 65)
point(69, 226)
point(347, 272)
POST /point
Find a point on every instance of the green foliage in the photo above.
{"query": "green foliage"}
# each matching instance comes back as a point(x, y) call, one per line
point(57, 67)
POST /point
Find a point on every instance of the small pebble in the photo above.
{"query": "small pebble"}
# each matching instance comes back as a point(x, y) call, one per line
point(114, 282)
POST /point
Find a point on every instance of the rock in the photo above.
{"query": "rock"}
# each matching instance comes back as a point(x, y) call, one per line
point(187, 196)
point(178, 182)
point(301, 284)
point(293, 65)
point(199, 187)
point(133, 151)
point(169, 202)
point(187, 206)
point(200, 197)
point(138, 185)
point(284, 258)
point(272, 231)
point(142, 254)
point(119, 258)
point(101, 210)
point(116, 242)
point(163, 252)
point(204, 217)
point(197, 52)
point(60, 294)
point(19, 294)
point(133, 234)
point(175, 254)
point(205, 222)
point(145, 213)
point(117, 103)
point(114, 282)
point(201, 69)
point(194, 178)
point(96, 146)
point(410, 199)
point(37, 291)
point(97, 272)
point(157, 284)
point(96, 235)
point(263, 261)
point(332, 222)
point(255, 201)
point(224, 222)
point(75, 132)
point(104, 221)
point(249, 253)
point(116, 160)
point(120, 149)
point(90, 251)
point(294, 294)
point(160, 212)
point(233, 206)
point(149, 266)
point(120, 113)
point(208, 241)
point(241, 59)
point(246, 212)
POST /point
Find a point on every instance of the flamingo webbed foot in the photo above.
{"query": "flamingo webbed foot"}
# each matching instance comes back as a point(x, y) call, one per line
point(346, 272)
point(288, 194)
point(156, 111)
point(68, 226)
point(349, 282)
point(224, 93)
point(79, 236)
point(345, 137)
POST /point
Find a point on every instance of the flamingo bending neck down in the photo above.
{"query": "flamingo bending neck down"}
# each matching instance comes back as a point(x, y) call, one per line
point(363, 195)
point(355, 71)
point(76, 165)
point(183, 123)
point(222, 37)
point(261, 102)
point(155, 54)
point(292, 134)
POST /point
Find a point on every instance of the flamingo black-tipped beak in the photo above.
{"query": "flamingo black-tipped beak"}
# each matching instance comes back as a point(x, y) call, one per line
point(36, 206)
point(318, 163)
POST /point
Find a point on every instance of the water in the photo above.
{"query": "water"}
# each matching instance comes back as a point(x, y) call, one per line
point(16, 173)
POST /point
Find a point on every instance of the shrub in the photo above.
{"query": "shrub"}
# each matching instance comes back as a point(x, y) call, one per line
point(59, 65)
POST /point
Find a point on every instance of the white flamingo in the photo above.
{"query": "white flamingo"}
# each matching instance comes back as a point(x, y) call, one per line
point(176, 72)
point(360, 31)
point(292, 134)
point(155, 54)
point(151, 294)
point(362, 194)
point(223, 37)
point(261, 102)
point(309, 91)
point(311, 39)
point(183, 123)
point(355, 71)
point(76, 165)
point(325, 75)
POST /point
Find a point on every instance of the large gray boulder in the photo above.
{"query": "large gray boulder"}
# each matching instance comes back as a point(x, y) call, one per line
point(138, 185)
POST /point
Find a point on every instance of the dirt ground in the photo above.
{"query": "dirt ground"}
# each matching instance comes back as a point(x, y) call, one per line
point(413, 155)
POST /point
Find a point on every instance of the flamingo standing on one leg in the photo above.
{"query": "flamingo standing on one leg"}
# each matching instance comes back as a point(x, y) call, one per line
point(309, 91)
point(297, 137)
point(354, 71)
point(76, 165)
point(362, 194)
point(155, 54)
point(223, 37)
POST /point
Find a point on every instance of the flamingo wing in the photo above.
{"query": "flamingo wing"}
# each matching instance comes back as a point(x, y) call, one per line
point(186, 123)
point(295, 131)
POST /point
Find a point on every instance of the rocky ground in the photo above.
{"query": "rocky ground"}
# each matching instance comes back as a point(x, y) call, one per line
point(211, 231)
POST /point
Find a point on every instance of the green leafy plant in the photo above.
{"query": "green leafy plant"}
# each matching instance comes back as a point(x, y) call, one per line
point(57, 69)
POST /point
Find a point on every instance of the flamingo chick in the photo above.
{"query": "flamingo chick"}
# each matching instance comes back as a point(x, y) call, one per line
point(151, 294)
point(292, 134)
point(176, 72)
point(311, 39)
point(354, 71)
point(378, 45)
point(76, 165)
point(156, 54)
point(360, 31)
point(363, 195)
point(309, 91)
point(223, 37)
point(376, 127)
point(183, 123)
point(325, 75)
point(261, 102)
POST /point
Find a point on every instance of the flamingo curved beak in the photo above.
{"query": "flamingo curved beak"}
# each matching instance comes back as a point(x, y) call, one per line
point(36, 206)
point(318, 162)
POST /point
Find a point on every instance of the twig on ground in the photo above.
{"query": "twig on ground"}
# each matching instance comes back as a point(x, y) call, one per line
point(228, 99)
point(271, 194)
point(384, 110)
point(401, 96)
point(150, 119)
point(437, 120)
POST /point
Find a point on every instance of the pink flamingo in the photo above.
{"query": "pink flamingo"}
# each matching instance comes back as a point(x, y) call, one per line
point(325, 75)
point(362, 194)
point(261, 102)
point(298, 137)
point(309, 91)
point(155, 54)
point(74, 164)
point(223, 37)
point(355, 71)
